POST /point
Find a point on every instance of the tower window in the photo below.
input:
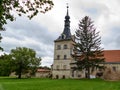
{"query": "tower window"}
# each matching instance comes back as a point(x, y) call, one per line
point(64, 67)
point(65, 46)
point(58, 57)
point(58, 47)
point(65, 56)
point(57, 67)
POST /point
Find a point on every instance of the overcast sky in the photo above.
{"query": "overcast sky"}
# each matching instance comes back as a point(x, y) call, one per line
point(40, 32)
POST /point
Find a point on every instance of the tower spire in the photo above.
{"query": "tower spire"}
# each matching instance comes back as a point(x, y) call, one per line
point(67, 10)
point(66, 35)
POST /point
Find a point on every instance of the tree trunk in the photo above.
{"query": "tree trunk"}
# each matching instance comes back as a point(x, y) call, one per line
point(20, 71)
point(88, 73)
point(19, 76)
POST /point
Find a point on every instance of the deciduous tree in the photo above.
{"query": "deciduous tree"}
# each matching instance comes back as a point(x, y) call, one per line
point(5, 65)
point(27, 7)
point(0, 42)
point(24, 60)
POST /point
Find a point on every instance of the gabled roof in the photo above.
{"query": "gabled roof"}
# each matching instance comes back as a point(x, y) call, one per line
point(112, 55)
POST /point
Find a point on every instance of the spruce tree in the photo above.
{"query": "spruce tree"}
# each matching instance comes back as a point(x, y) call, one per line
point(87, 51)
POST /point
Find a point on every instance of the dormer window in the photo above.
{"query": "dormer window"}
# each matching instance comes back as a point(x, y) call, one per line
point(63, 36)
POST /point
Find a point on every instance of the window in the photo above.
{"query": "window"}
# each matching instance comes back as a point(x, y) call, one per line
point(73, 73)
point(57, 77)
point(65, 56)
point(114, 68)
point(64, 67)
point(65, 46)
point(57, 67)
point(58, 57)
point(58, 47)
point(63, 77)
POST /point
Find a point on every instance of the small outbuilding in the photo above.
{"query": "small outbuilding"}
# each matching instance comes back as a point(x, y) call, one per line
point(43, 73)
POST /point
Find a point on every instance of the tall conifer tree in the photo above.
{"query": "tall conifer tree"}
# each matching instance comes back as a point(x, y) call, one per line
point(87, 50)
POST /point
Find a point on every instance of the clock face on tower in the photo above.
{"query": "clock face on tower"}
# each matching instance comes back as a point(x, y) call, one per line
point(63, 36)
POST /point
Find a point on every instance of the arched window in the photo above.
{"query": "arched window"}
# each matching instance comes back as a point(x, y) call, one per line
point(65, 56)
point(65, 46)
point(58, 57)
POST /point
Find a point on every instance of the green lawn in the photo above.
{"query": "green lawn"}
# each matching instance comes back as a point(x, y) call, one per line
point(62, 84)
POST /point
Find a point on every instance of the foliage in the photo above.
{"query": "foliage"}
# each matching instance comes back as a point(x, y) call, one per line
point(27, 7)
point(24, 60)
point(44, 67)
point(87, 50)
point(5, 65)
point(52, 84)
point(0, 41)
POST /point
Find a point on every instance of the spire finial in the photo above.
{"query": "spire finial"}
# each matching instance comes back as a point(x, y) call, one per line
point(67, 5)
point(67, 8)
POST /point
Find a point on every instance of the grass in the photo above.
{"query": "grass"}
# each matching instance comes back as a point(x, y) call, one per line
point(53, 84)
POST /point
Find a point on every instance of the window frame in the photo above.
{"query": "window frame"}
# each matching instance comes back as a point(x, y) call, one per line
point(65, 46)
point(64, 67)
point(58, 47)
point(58, 57)
point(65, 57)
point(57, 67)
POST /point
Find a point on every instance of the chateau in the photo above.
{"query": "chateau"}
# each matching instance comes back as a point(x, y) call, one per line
point(63, 47)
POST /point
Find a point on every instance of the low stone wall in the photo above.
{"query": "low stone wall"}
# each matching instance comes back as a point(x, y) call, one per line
point(111, 75)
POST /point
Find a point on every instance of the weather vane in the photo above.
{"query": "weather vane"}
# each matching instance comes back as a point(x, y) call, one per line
point(67, 5)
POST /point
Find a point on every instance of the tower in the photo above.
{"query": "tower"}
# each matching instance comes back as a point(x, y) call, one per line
point(62, 51)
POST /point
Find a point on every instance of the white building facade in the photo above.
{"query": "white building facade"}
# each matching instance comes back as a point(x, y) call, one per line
point(62, 52)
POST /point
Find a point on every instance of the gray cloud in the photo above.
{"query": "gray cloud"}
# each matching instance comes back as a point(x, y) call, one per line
point(118, 42)
point(26, 28)
point(29, 34)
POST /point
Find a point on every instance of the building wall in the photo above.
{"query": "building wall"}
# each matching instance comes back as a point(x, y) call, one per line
point(114, 67)
point(61, 65)
point(63, 51)
point(62, 68)
point(42, 74)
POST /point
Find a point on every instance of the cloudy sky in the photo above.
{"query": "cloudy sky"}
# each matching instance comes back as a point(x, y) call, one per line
point(40, 32)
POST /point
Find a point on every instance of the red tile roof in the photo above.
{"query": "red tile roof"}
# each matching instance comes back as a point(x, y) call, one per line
point(112, 55)
point(43, 70)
